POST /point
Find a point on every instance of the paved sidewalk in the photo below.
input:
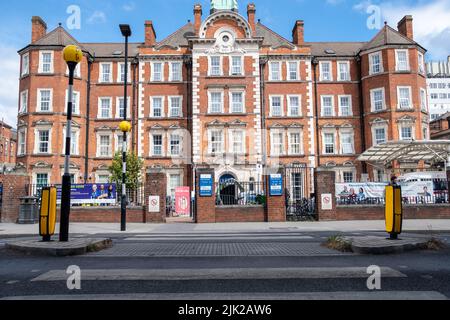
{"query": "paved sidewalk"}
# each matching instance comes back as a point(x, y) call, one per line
point(332, 226)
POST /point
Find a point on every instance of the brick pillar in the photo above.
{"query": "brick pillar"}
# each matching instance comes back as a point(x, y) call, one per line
point(325, 185)
point(155, 185)
point(14, 187)
point(276, 205)
point(448, 182)
point(206, 206)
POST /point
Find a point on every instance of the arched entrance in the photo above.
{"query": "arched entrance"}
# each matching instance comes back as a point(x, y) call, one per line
point(227, 193)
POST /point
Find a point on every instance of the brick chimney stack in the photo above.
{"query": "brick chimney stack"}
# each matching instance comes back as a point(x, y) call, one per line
point(298, 33)
point(251, 13)
point(150, 34)
point(38, 28)
point(197, 18)
point(405, 27)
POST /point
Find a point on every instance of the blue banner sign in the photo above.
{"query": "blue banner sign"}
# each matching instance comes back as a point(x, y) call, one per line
point(206, 185)
point(276, 185)
point(91, 194)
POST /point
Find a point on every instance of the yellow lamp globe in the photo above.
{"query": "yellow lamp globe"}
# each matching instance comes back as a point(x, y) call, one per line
point(72, 54)
point(125, 126)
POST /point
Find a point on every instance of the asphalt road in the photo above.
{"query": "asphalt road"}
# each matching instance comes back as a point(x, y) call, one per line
point(286, 265)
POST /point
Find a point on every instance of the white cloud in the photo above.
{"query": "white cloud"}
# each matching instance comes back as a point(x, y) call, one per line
point(129, 6)
point(9, 90)
point(97, 17)
point(431, 21)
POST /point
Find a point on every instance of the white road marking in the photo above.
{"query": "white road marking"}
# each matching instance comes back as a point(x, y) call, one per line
point(184, 239)
point(363, 295)
point(217, 274)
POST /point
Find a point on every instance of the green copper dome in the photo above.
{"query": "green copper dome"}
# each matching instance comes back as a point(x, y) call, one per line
point(224, 5)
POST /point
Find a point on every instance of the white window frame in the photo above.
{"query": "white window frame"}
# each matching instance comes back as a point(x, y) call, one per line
point(299, 97)
point(74, 148)
point(75, 104)
point(37, 140)
point(324, 145)
point(118, 108)
point(180, 115)
point(221, 92)
point(411, 105)
point(152, 77)
point(21, 143)
point(397, 65)
point(210, 143)
point(243, 109)
point(39, 100)
point(372, 99)
point(423, 100)
point(171, 74)
point(101, 73)
point(152, 144)
point(271, 78)
point(371, 64)
point(118, 142)
point(400, 131)
point(23, 103)
point(350, 114)
point(341, 141)
point(290, 142)
point(374, 134)
point(330, 63)
point(231, 133)
point(119, 73)
point(77, 72)
point(41, 62)
point(152, 106)
point(99, 115)
point(241, 66)
point(349, 76)
point(421, 63)
point(297, 70)
point(25, 66)
point(271, 98)
point(180, 145)
point(322, 109)
point(99, 145)
point(273, 152)
point(210, 69)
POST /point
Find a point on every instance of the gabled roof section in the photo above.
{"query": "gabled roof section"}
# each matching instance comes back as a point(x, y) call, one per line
point(111, 50)
point(388, 36)
point(179, 38)
point(271, 38)
point(57, 37)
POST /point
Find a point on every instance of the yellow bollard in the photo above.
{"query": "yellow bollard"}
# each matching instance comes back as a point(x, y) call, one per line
point(394, 211)
point(47, 221)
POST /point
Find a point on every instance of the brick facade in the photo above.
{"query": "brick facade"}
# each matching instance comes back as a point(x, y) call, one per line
point(8, 145)
point(226, 93)
point(14, 187)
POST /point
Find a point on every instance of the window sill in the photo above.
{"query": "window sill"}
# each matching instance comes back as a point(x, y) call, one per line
point(103, 158)
point(43, 155)
point(405, 109)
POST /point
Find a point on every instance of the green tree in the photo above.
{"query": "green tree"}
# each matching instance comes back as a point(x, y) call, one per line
point(134, 170)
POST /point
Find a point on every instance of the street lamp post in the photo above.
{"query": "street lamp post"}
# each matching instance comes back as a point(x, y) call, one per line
point(72, 55)
point(125, 127)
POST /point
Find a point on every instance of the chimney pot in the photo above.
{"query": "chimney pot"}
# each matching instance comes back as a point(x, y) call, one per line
point(150, 34)
point(298, 33)
point(198, 11)
point(251, 13)
point(405, 27)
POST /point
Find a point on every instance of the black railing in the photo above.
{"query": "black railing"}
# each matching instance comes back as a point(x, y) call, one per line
point(234, 193)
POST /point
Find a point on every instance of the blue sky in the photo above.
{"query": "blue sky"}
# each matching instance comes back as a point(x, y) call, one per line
point(325, 20)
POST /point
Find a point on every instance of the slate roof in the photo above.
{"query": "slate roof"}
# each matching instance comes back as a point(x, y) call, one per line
point(179, 38)
point(319, 49)
point(57, 37)
point(108, 50)
point(271, 38)
point(387, 36)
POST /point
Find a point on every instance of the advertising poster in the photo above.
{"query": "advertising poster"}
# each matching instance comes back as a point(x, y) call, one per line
point(182, 201)
point(91, 194)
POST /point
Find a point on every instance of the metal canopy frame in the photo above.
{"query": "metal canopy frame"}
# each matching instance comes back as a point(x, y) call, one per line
point(408, 151)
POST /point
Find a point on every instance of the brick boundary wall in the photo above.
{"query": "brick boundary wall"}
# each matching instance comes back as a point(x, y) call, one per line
point(155, 185)
point(104, 215)
point(205, 206)
point(276, 205)
point(240, 214)
point(326, 184)
point(14, 188)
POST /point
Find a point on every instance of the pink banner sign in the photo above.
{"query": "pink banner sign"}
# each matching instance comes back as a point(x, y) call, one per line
point(183, 201)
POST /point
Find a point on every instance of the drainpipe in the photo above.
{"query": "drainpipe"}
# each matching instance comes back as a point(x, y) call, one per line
point(361, 113)
point(262, 64)
point(88, 116)
point(315, 63)
point(133, 110)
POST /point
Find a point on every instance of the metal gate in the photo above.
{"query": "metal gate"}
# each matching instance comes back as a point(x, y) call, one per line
point(300, 197)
